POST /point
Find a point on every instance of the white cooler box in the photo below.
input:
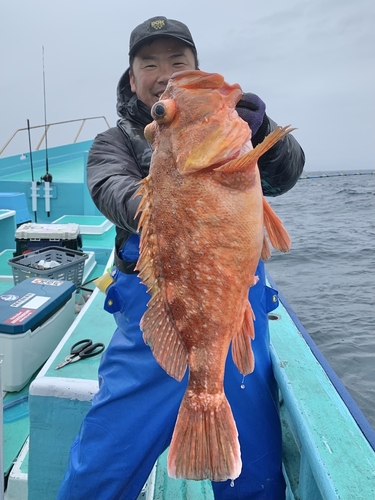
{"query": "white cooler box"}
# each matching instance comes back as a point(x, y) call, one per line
point(34, 316)
point(33, 236)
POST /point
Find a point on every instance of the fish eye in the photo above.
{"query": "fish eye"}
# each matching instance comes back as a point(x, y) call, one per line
point(163, 111)
point(159, 110)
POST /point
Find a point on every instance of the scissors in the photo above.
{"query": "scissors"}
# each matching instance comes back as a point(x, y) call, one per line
point(80, 350)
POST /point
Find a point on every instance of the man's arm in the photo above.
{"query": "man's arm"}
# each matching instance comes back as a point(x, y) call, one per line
point(112, 178)
point(281, 166)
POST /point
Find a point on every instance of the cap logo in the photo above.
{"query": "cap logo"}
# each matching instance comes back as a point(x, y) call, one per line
point(158, 25)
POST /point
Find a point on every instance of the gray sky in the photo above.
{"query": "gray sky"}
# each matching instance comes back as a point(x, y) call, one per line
point(311, 61)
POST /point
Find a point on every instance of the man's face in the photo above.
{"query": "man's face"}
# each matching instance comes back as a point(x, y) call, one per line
point(154, 64)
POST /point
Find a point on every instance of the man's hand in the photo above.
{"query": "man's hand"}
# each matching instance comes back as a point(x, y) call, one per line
point(251, 109)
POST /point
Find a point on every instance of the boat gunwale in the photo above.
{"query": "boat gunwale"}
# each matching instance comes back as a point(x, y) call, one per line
point(354, 410)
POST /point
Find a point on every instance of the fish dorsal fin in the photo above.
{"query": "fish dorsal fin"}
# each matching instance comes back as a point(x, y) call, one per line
point(242, 352)
point(196, 79)
point(253, 156)
point(277, 233)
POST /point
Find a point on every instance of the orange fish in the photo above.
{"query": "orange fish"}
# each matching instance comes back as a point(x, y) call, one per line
point(203, 232)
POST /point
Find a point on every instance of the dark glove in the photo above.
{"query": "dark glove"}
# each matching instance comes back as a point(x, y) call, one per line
point(251, 109)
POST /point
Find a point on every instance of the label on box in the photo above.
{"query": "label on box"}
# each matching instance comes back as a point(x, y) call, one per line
point(41, 281)
point(37, 302)
point(22, 300)
point(19, 317)
point(9, 297)
point(30, 300)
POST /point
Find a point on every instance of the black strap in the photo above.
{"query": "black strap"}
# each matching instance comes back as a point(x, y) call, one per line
point(126, 267)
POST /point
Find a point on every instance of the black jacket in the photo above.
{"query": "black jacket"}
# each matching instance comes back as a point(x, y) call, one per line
point(120, 157)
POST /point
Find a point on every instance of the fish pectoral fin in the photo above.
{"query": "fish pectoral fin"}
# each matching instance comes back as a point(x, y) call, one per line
point(205, 440)
point(277, 233)
point(253, 156)
point(242, 352)
point(266, 251)
point(160, 333)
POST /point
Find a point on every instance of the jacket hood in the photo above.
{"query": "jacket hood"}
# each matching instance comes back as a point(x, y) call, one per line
point(128, 105)
point(124, 94)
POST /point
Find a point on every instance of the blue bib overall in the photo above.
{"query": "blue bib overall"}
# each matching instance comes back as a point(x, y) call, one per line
point(133, 415)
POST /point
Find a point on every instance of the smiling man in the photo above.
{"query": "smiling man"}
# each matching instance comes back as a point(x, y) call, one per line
point(154, 63)
point(133, 415)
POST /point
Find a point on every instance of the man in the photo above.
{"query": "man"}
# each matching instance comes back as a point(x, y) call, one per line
point(133, 415)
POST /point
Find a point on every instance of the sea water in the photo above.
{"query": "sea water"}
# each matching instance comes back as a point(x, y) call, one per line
point(328, 277)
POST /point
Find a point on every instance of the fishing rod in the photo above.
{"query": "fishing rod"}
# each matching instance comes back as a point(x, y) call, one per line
point(34, 187)
point(47, 178)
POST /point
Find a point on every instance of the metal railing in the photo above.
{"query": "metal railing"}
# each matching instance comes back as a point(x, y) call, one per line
point(47, 127)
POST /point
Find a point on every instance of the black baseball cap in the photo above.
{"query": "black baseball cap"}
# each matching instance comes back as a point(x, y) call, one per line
point(157, 26)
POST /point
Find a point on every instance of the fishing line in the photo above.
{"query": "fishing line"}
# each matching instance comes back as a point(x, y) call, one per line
point(47, 178)
point(45, 111)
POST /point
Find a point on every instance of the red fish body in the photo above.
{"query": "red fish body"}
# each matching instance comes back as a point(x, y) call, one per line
point(203, 218)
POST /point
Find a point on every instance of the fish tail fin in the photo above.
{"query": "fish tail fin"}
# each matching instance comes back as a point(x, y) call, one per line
point(277, 233)
point(205, 440)
point(242, 352)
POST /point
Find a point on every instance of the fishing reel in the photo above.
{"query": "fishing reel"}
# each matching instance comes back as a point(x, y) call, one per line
point(47, 177)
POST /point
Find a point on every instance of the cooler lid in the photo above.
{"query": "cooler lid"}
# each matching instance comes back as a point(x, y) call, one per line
point(30, 303)
point(33, 230)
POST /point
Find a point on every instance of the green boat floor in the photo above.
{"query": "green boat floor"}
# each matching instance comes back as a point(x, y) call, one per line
point(167, 488)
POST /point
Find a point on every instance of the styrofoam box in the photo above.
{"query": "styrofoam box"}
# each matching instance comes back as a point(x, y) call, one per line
point(34, 316)
point(32, 236)
point(34, 231)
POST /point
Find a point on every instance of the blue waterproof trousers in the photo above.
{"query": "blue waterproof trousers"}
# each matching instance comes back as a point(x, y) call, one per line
point(133, 415)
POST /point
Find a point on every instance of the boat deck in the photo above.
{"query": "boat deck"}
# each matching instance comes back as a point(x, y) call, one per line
point(326, 456)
